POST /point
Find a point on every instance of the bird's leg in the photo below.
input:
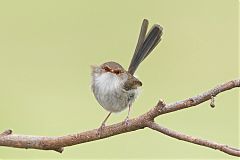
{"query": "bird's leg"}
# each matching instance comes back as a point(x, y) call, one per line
point(103, 123)
point(127, 118)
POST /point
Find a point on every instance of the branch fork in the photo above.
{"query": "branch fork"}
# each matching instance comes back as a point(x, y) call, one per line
point(146, 120)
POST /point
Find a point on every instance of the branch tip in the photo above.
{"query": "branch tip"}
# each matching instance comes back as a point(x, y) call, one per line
point(212, 101)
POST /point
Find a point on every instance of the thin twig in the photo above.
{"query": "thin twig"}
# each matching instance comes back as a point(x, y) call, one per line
point(221, 147)
point(212, 103)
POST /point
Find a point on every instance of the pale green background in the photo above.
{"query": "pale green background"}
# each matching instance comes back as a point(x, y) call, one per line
point(47, 47)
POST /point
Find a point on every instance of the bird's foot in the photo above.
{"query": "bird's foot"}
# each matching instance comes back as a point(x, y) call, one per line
point(100, 129)
point(126, 121)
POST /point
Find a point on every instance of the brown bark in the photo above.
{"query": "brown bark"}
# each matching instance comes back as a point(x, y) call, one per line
point(57, 143)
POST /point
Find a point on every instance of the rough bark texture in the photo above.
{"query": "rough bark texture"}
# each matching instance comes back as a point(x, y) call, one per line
point(57, 143)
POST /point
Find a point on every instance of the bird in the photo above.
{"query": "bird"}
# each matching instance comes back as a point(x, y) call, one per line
point(115, 88)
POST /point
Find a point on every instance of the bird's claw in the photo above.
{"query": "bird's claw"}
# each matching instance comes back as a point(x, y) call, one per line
point(100, 129)
point(126, 121)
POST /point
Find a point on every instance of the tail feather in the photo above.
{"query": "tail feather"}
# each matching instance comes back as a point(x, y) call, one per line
point(145, 44)
point(141, 38)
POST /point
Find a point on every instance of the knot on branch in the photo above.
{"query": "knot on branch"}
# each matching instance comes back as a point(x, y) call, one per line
point(189, 102)
point(161, 104)
point(5, 133)
point(59, 150)
point(236, 82)
point(154, 112)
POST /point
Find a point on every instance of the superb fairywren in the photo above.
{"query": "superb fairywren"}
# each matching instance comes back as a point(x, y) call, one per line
point(116, 88)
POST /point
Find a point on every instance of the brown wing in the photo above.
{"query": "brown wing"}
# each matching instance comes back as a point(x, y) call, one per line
point(132, 83)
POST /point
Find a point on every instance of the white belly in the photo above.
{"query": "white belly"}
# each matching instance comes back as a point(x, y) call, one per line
point(109, 92)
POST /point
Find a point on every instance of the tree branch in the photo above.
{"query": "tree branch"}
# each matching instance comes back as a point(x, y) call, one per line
point(201, 142)
point(57, 143)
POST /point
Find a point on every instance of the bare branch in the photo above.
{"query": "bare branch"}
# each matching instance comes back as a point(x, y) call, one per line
point(57, 143)
point(193, 101)
point(201, 142)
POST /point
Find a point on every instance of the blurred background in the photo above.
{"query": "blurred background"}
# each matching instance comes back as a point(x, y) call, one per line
point(47, 47)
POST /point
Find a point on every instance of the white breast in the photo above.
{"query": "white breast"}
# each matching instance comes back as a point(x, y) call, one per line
point(109, 92)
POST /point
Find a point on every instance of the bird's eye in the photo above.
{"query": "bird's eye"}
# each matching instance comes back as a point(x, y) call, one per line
point(107, 69)
point(117, 71)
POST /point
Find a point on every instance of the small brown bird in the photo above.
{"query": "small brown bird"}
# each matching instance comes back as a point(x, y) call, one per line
point(116, 88)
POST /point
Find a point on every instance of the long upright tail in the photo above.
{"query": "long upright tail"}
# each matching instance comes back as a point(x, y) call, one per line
point(145, 44)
